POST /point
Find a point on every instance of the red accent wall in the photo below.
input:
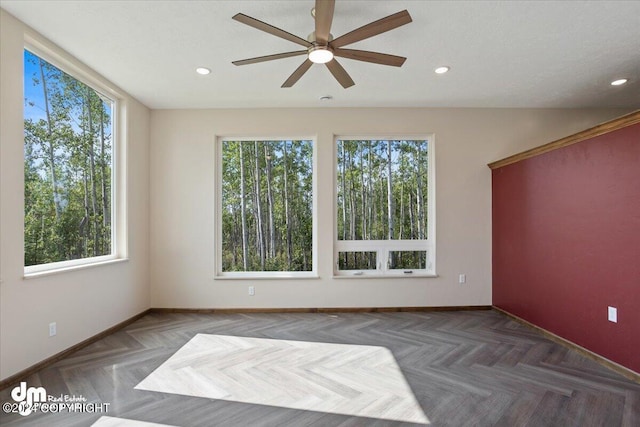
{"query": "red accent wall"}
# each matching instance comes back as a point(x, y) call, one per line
point(566, 242)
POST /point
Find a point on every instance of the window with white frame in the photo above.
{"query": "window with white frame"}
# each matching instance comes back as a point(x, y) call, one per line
point(69, 163)
point(265, 207)
point(384, 207)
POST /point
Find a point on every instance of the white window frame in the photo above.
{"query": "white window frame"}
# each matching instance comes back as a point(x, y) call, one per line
point(46, 50)
point(219, 274)
point(383, 247)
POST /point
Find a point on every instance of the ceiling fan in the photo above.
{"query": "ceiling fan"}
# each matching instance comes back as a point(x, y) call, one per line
point(322, 48)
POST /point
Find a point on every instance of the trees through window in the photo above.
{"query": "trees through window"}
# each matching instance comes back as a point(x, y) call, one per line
point(266, 205)
point(68, 166)
point(384, 220)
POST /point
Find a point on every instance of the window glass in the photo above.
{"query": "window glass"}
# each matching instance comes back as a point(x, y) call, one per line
point(382, 189)
point(416, 260)
point(68, 166)
point(384, 222)
point(267, 206)
point(357, 260)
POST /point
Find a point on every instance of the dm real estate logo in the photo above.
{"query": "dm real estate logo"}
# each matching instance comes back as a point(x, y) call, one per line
point(26, 398)
point(35, 399)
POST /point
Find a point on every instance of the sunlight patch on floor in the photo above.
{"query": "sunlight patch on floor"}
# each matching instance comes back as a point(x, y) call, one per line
point(356, 380)
point(123, 422)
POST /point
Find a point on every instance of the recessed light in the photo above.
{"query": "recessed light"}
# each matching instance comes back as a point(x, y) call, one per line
point(326, 98)
point(203, 71)
point(619, 82)
point(441, 70)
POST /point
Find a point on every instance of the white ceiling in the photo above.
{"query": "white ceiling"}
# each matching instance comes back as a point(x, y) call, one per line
point(536, 54)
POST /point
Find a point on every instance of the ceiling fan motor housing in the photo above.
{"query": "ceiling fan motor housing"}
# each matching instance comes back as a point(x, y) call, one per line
point(312, 38)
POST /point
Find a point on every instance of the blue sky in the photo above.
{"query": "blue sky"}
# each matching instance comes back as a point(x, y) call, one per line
point(33, 91)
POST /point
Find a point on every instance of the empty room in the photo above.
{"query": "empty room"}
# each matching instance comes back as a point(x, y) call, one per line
point(319, 213)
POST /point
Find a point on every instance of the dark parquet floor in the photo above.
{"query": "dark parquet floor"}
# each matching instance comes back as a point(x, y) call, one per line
point(466, 368)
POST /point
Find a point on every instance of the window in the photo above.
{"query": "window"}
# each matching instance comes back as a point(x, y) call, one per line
point(68, 169)
point(266, 208)
point(385, 207)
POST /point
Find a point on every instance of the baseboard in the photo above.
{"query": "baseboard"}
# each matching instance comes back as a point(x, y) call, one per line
point(622, 370)
point(24, 374)
point(317, 309)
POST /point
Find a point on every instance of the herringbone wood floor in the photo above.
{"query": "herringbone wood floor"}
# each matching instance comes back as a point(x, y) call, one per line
point(466, 368)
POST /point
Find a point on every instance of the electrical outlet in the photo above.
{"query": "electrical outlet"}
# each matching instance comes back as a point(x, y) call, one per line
point(252, 290)
point(612, 314)
point(462, 278)
point(53, 329)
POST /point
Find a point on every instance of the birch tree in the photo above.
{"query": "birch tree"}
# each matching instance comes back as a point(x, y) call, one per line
point(63, 171)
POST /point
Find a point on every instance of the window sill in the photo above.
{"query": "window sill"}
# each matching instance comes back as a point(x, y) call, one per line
point(67, 269)
point(312, 276)
point(386, 276)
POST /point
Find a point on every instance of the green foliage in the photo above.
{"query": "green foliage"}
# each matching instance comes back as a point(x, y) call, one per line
point(278, 205)
point(382, 195)
point(67, 167)
point(363, 192)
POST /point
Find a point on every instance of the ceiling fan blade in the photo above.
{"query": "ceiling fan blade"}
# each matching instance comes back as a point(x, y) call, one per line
point(373, 29)
point(367, 56)
point(299, 72)
point(324, 16)
point(263, 26)
point(269, 57)
point(339, 73)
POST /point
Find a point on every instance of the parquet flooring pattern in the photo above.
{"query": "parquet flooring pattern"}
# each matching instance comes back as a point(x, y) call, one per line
point(465, 368)
point(348, 379)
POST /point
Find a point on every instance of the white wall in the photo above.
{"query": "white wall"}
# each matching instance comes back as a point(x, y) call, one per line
point(183, 216)
point(83, 302)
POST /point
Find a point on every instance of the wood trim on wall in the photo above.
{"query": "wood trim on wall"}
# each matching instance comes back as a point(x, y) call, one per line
point(24, 374)
point(622, 370)
point(601, 129)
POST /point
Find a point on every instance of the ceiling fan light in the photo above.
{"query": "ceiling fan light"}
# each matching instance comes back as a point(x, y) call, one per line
point(320, 54)
point(619, 82)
